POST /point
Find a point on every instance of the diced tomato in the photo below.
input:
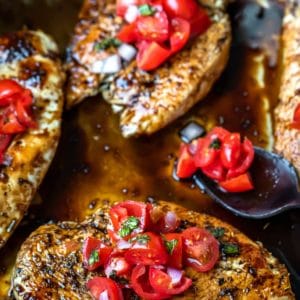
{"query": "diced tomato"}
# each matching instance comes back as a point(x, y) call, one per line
point(245, 161)
point(5, 140)
point(117, 265)
point(186, 165)
point(153, 28)
point(201, 249)
point(206, 153)
point(231, 150)
point(174, 247)
point(218, 133)
point(141, 285)
point(151, 55)
point(180, 8)
point(200, 22)
point(147, 249)
point(238, 184)
point(180, 34)
point(128, 33)
point(9, 123)
point(24, 115)
point(8, 88)
point(296, 119)
point(95, 253)
point(215, 170)
point(104, 288)
point(121, 212)
point(162, 282)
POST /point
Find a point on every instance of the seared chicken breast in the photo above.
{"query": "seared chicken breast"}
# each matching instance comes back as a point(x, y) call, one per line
point(287, 139)
point(146, 101)
point(50, 263)
point(30, 58)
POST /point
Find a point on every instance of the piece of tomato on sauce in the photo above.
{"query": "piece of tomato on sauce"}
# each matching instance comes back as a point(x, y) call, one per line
point(95, 253)
point(104, 288)
point(241, 183)
point(201, 249)
point(147, 249)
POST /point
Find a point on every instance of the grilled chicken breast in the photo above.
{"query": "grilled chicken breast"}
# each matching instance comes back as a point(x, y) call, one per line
point(31, 59)
point(49, 264)
point(146, 101)
point(287, 139)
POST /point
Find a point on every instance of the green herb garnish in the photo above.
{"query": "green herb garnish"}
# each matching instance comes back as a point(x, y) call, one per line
point(230, 249)
point(217, 232)
point(94, 257)
point(142, 239)
point(128, 226)
point(170, 245)
point(106, 43)
point(147, 10)
point(215, 144)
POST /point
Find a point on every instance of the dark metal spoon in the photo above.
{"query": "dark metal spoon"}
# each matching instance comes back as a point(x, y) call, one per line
point(276, 188)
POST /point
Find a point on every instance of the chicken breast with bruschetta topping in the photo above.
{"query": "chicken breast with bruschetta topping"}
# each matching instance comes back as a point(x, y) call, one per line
point(152, 91)
point(65, 260)
point(31, 100)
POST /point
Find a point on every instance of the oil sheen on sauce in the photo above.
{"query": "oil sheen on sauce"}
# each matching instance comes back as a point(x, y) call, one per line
point(94, 162)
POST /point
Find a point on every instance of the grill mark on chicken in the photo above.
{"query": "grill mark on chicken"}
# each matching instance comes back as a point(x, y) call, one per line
point(31, 58)
point(146, 101)
point(49, 264)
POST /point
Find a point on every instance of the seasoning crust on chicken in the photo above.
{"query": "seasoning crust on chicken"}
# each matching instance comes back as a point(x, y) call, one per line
point(50, 262)
point(31, 59)
point(146, 101)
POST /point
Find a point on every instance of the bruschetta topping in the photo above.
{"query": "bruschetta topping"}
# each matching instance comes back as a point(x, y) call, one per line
point(140, 254)
point(16, 115)
point(296, 118)
point(160, 29)
point(221, 156)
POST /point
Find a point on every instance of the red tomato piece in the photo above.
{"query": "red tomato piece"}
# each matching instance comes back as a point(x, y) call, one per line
point(104, 288)
point(215, 170)
point(296, 119)
point(200, 22)
point(242, 183)
point(151, 55)
point(8, 88)
point(162, 282)
point(201, 249)
point(173, 241)
point(206, 152)
point(218, 132)
point(141, 286)
point(147, 249)
point(180, 8)
point(95, 253)
point(186, 165)
point(245, 160)
point(128, 33)
point(5, 140)
point(181, 30)
point(231, 150)
point(117, 264)
point(9, 124)
point(24, 115)
point(122, 211)
point(153, 28)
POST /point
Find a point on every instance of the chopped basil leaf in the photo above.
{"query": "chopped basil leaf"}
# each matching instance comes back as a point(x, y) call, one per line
point(106, 43)
point(230, 249)
point(170, 245)
point(128, 226)
point(217, 232)
point(94, 257)
point(142, 239)
point(215, 144)
point(147, 10)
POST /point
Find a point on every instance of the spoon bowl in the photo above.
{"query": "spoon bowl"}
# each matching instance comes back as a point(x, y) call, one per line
point(276, 188)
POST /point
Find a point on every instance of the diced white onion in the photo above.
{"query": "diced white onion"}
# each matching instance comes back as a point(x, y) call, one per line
point(131, 14)
point(176, 275)
point(127, 52)
point(112, 64)
point(104, 296)
point(122, 244)
point(97, 67)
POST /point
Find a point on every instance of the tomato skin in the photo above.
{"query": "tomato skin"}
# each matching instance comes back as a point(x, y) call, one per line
point(296, 119)
point(215, 170)
point(186, 166)
point(98, 285)
point(162, 282)
point(245, 161)
point(241, 183)
point(175, 258)
point(128, 33)
point(9, 123)
point(180, 35)
point(205, 155)
point(92, 244)
point(153, 28)
point(5, 140)
point(147, 253)
point(180, 8)
point(231, 150)
point(151, 55)
point(141, 285)
point(201, 249)
point(199, 23)
point(8, 88)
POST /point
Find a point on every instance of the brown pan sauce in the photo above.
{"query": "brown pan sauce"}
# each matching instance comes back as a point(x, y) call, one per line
point(94, 162)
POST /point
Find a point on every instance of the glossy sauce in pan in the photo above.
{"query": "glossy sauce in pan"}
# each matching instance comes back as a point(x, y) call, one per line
point(94, 162)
